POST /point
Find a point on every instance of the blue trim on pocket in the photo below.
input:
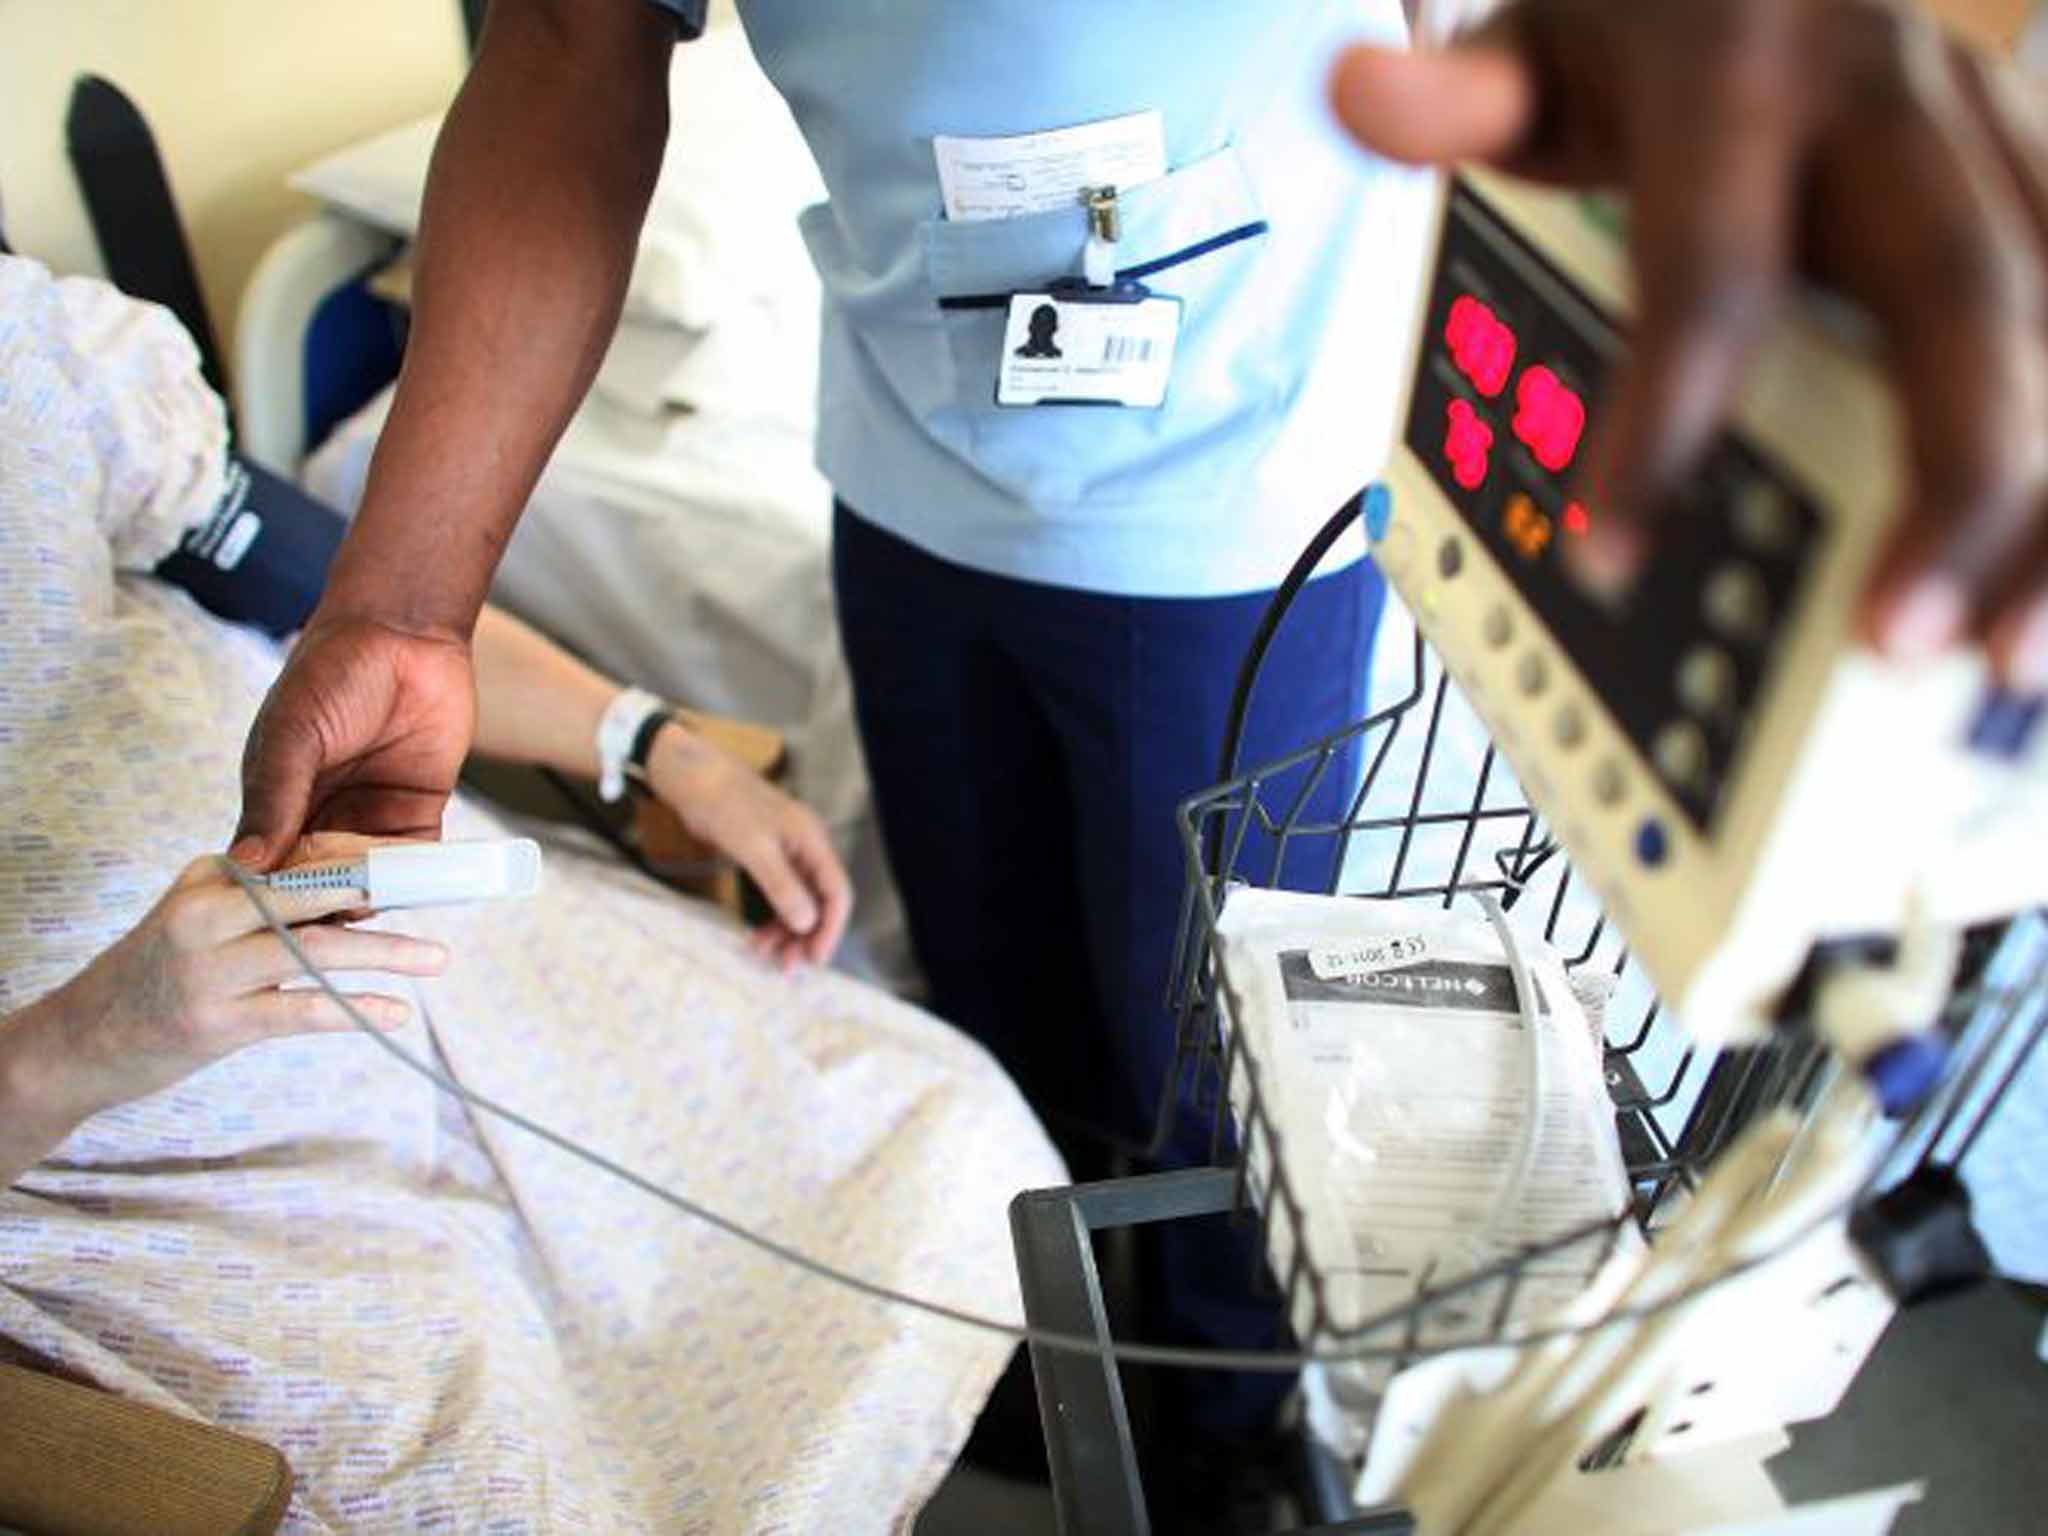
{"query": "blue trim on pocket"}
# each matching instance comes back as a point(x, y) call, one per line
point(1143, 269)
point(1249, 231)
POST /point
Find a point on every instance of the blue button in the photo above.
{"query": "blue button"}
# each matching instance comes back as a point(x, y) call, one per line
point(1379, 511)
point(1905, 1072)
point(1653, 843)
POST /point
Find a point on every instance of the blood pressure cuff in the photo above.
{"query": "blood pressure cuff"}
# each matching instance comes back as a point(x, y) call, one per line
point(261, 558)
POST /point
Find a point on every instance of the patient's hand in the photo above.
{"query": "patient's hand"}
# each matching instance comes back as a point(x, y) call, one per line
point(197, 978)
point(777, 840)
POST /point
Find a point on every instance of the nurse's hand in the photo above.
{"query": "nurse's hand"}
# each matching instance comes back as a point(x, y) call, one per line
point(777, 840)
point(365, 731)
point(197, 978)
point(1848, 140)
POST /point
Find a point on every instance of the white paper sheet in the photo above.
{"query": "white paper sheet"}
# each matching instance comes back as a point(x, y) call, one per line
point(1036, 172)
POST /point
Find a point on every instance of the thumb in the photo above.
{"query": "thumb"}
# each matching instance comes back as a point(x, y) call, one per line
point(278, 769)
point(1474, 101)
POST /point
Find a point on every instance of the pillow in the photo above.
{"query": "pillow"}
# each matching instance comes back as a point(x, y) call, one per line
point(721, 226)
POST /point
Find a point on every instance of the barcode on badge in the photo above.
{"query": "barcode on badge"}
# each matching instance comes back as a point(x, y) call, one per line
point(1118, 350)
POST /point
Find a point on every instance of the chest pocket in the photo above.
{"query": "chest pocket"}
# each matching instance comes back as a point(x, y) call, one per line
point(1195, 235)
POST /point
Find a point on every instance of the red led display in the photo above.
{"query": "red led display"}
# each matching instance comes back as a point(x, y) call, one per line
point(1549, 418)
point(1481, 345)
point(1467, 443)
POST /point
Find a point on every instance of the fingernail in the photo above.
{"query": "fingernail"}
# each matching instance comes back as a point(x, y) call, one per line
point(247, 851)
point(388, 1011)
point(1924, 619)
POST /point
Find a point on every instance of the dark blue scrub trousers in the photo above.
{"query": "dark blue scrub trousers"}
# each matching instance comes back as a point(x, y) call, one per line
point(1028, 745)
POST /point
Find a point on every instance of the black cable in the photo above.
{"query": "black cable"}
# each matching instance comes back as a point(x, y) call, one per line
point(1277, 609)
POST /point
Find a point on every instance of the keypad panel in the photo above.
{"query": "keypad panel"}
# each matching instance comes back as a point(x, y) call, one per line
point(1504, 409)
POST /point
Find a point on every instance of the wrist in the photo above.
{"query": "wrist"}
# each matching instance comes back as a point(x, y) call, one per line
point(40, 1102)
point(340, 610)
point(675, 754)
point(405, 596)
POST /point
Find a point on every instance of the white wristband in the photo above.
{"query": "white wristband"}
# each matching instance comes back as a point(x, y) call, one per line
point(616, 732)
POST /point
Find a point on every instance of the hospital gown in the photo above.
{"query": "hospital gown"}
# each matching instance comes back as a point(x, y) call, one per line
point(442, 1323)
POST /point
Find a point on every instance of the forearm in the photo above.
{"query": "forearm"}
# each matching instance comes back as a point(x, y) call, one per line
point(35, 1114)
point(534, 202)
point(538, 704)
point(535, 702)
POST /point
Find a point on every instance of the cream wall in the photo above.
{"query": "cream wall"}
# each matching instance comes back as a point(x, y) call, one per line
point(237, 92)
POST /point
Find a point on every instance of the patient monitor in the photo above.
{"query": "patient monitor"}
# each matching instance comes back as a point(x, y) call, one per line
point(1737, 779)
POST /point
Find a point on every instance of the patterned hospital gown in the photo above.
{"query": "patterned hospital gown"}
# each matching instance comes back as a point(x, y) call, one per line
point(441, 1322)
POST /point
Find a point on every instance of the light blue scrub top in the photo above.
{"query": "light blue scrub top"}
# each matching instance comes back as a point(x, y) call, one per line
point(1280, 400)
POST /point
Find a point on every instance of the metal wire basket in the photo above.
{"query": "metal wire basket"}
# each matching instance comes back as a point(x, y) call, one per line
point(1436, 813)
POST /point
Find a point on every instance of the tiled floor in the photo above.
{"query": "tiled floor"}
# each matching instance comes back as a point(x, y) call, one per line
point(1956, 1394)
point(972, 1503)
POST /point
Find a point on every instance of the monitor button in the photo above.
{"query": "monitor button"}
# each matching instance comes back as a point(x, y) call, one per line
point(1568, 726)
point(1735, 603)
point(1706, 681)
point(1680, 753)
point(1764, 519)
point(1610, 784)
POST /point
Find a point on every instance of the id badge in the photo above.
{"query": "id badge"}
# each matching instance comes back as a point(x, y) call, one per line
point(1087, 347)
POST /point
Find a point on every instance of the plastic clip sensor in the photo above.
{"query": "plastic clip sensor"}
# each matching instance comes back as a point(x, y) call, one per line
point(393, 876)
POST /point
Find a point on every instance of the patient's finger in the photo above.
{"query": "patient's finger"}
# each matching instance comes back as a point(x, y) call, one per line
point(769, 861)
point(776, 945)
point(261, 959)
point(263, 1015)
point(206, 917)
point(814, 853)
